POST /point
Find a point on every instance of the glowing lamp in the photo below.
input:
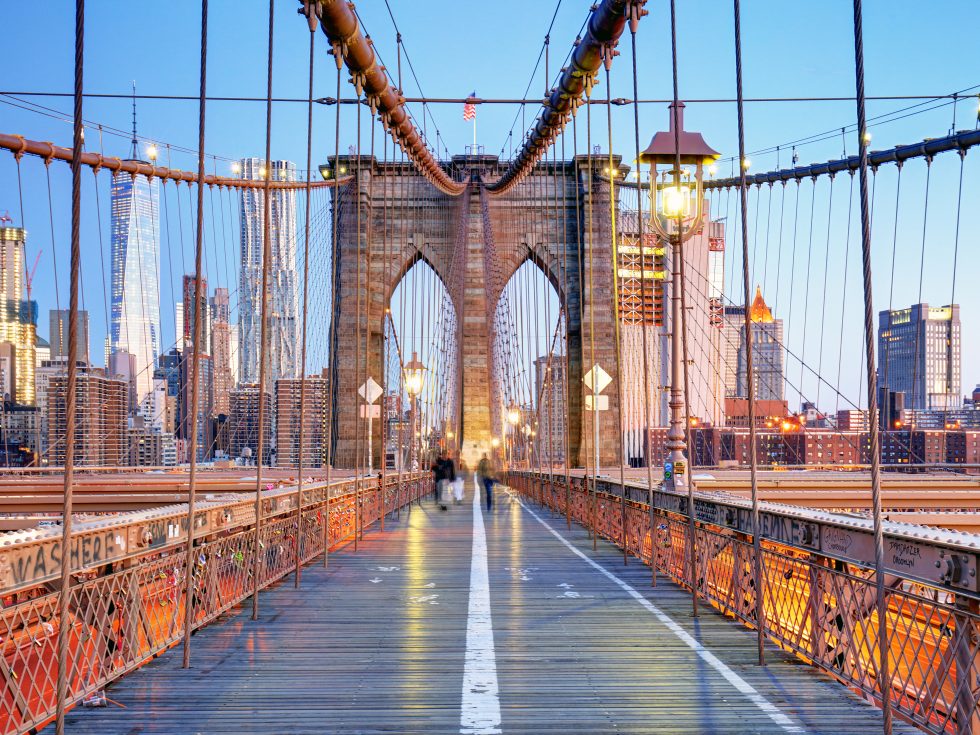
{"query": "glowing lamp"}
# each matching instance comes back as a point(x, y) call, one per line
point(236, 168)
point(675, 201)
point(513, 415)
point(151, 152)
point(261, 172)
point(866, 137)
point(495, 442)
point(325, 171)
point(414, 373)
point(676, 192)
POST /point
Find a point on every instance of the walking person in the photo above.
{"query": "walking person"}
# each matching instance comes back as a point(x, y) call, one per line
point(438, 470)
point(486, 474)
point(449, 481)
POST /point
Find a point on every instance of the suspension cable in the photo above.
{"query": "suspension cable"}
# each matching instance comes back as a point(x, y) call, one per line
point(264, 330)
point(884, 676)
point(189, 616)
point(71, 408)
point(750, 348)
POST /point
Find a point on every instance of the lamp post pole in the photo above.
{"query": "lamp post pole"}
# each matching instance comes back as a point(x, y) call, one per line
point(676, 436)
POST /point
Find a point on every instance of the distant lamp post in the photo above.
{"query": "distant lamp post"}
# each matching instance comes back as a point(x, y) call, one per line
point(513, 414)
point(152, 152)
point(414, 372)
point(326, 172)
point(414, 376)
point(236, 168)
point(676, 214)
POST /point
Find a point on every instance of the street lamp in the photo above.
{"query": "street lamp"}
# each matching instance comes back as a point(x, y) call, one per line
point(414, 376)
point(513, 414)
point(677, 159)
point(414, 372)
point(236, 168)
point(152, 152)
point(326, 172)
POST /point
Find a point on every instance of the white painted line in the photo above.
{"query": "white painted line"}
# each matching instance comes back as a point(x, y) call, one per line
point(480, 713)
point(743, 687)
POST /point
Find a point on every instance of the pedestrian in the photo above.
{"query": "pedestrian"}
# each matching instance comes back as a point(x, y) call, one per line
point(486, 473)
point(449, 471)
point(437, 475)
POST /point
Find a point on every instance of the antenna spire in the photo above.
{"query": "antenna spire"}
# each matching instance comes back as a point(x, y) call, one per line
point(136, 151)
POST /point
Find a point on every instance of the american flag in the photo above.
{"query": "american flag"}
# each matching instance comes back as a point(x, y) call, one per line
point(469, 109)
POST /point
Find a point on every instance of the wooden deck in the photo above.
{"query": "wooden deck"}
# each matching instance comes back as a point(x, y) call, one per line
point(377, 644)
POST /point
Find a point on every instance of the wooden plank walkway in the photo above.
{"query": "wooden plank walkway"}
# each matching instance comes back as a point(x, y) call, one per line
point(377, 644)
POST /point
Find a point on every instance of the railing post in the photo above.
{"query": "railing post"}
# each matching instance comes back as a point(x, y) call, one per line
point(965, 654)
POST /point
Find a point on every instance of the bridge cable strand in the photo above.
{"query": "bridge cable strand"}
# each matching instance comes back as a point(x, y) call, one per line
point(922, 267)
point(264, 318)
point(635, 12)
point(679, 286)
point(310, 13)
point(884, 677)
point(608, 53)
point(606, 23)
point(189, 561)
point(823, 299)
point(750, 382)
point(333, 369)
point(592, 361)
point(71, 408)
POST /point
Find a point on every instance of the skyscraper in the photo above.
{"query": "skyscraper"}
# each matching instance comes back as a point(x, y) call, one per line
point(187, 321)
point(919, 355)
point(58, 319)
point(221, 352)
point(135, 320)
point(549, 388)
point(290, 414)
point(283, 297)
point(18, 316)
point(767, 352)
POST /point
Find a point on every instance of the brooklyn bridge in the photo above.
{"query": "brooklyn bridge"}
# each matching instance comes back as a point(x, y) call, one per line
point(349, 423)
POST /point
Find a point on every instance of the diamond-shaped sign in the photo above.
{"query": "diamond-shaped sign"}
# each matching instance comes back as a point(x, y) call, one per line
point(370, 391)
point(597, 379)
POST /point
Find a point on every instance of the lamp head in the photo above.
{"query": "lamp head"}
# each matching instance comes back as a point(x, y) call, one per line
point(414, 373)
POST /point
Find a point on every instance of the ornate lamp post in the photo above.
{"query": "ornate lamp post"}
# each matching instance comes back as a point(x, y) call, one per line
point(513, 416)
point(414, 376)
point(677, 159)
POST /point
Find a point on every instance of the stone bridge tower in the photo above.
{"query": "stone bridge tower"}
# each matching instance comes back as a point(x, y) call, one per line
point(475, 243)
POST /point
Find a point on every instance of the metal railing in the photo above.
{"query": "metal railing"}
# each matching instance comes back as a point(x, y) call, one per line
point(818, 603)
point(127, 602)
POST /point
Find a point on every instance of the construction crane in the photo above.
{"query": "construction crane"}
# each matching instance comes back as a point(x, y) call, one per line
point(29, 274)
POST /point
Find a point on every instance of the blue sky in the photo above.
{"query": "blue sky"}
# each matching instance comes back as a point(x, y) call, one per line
point(791, 49)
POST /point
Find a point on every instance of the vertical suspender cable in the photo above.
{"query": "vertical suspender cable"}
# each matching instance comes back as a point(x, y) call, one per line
point(196, 346)
point(564, 302)
point(636, 11)
point(384, 314)
point(750, 382)
point(680, 394)
point(884, 677)
point(71, 408)
point(264, 330)
point(368, 427)
point(357, 336)
point(591, 239)
point(608, 54)
point(332, 357)
point(309, 10)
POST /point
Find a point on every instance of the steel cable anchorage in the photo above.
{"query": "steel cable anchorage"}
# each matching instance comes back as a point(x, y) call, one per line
point(605, 26)
point(338, 21)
